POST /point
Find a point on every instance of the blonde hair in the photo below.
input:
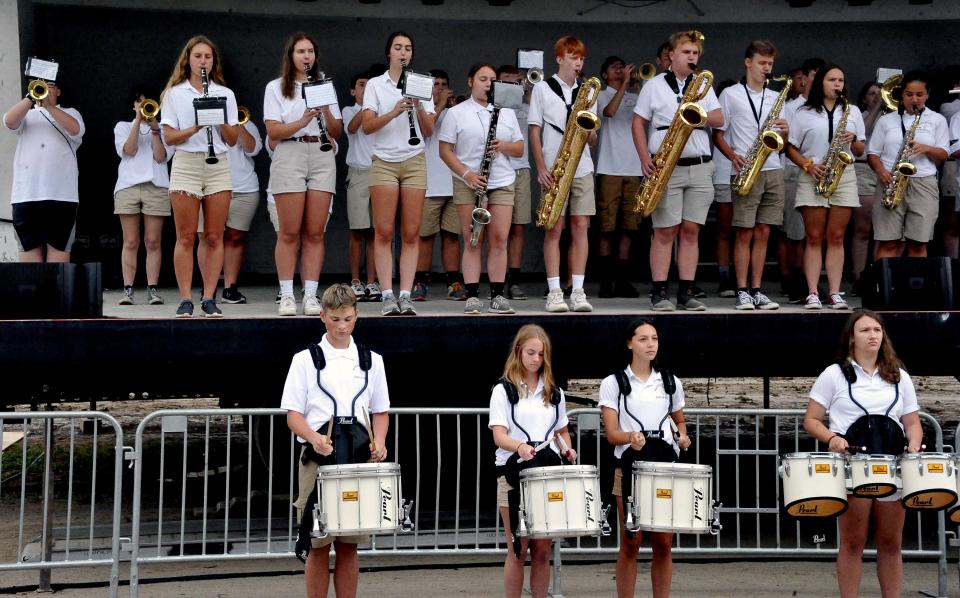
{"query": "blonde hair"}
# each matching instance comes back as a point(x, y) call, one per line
point(181, 71)
point(682, 37)
point(513, 370)
point(338, 296)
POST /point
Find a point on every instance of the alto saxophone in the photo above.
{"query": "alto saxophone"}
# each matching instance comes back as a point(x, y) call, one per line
point(837, 158)
point(903, 169)
point(767, 142)
point(690, 115)
point(581, 123)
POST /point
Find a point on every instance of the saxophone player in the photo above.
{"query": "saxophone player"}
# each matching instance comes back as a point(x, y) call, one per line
point(909, 225)
point(746, 109)
point(689, 193)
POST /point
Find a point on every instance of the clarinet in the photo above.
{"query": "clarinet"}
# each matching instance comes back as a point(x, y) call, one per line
point(211, 156)
point(481, 215)
point(325, 145)
point(414, 140)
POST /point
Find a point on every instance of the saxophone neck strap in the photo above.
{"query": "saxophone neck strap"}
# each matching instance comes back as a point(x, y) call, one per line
point(671, 78)
point(554, 85)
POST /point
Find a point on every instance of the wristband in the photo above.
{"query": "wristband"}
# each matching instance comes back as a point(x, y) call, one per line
point(806, 165)
point(829, 440)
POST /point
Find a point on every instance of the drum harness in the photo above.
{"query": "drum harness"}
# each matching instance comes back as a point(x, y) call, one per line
point(877, 433)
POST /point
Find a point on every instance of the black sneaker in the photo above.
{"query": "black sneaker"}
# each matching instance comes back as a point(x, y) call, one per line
point(607, 290)
point(726, 288)
point(210, 309)
point(697, 292)
point(186, 309)
point(624, 289)
point(232, 294)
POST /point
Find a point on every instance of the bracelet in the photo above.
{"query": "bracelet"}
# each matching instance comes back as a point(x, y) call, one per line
point(829, 440)
point(521, 443)
point(806, 165)
point(465, 173)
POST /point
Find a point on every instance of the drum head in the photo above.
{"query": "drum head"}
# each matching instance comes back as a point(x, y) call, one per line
point(954, 514)
point(936, 499)
point(874, 490)
point(823, 506)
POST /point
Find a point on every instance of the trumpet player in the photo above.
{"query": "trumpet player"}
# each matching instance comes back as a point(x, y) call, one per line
point(916, 135)
point(747, 110)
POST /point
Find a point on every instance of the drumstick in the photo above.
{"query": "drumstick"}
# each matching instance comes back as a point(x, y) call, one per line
point(562, 445)
point(366, 424)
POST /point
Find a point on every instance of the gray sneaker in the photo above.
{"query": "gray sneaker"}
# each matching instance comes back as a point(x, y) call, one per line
point(516, 293)
point(389, 306)
point(744, 301)
point(761, 301)
point(690, 303)
point(406, 306)
point(373, 292)
point(578, 300)
point(126, 298)
point(153, 296)
point(661, 303)
point(473, 306)
point(500, 305)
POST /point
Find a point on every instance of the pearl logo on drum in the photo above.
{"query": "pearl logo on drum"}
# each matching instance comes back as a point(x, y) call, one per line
point(554, 496)
point(350, 496)
point(385, 497)
point(697, 501)
point(664, 493)
point(805, 510)
point(588, 504)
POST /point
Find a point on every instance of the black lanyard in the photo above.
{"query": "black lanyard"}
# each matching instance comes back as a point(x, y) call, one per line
point(756, 113)
point(671, 80)
point(830, 123)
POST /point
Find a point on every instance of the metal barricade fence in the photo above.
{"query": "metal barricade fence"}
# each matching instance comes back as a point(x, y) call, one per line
point(58, 524)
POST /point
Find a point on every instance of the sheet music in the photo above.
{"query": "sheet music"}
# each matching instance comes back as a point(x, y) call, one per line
point(529, 59)
point(418, 86)
point(884, 73)
point(41, 69)
point(318, 95)
point(507, 95)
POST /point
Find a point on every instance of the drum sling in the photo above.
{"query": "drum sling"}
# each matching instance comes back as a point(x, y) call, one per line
point(880, 434)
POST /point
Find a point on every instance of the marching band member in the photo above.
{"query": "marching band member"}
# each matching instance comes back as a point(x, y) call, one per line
point(522, 208)
point(912, 222)
point(642, 406)
point(811, 136)
point(867, 381)
point(687, 197)
point(303, 177)
point(723, 197)
point(662, 59)
point(526, 406)
point(195, 184)
point(550, 105)
point(142, 188)
point(399, 173)
point(949, 191)
point(744, 117)
point(463, 136)
point(871, 107)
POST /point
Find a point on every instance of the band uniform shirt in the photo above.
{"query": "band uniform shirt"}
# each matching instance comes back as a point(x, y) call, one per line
point(176, 110)
point(888, 136)
point(281, 109)
point(546, 109)
point(241, 163)
point(466, 127)
point(390, 143)
point(439, 179)
point(647, 401)
point(740, 119)
point(948, 109)
point(657, 104)
point(870, 390)
point(45, 162)
point(140, 167)
point(523, 162)
point(359, 147)
point(809, 130)
point(530, 413)
point(617, 155)
point(342, 377)
point(723, 168)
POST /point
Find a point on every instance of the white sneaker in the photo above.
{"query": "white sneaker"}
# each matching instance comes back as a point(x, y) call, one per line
point(836, 302)
point(555, 302)
point(311, 305)
point(578, 298)
point(812, 302)
point(358, 289)
point(288, 306)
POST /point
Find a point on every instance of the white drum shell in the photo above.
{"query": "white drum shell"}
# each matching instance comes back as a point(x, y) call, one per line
point(929, 481)
point(873, 476)
point(360, 498)
point(561, 501)
point(672, 497)
point(814, 484)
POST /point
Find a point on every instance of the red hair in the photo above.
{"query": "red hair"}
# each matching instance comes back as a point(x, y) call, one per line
point(569, 45)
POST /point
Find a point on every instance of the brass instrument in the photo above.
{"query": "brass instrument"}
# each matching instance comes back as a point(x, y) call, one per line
point(534, 76)
point(837, 158)
point(481, 215)
point(690, 115)
point(211, 155)
point(890, 91)
point(644, 72)
point(149, 109)
point(244, 114)
point(581, 123)
point(903, 169)
point(767, 141)
point(38, 90)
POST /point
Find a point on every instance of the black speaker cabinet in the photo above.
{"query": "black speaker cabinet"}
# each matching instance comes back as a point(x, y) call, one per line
point(911, 284)
point(42, 291)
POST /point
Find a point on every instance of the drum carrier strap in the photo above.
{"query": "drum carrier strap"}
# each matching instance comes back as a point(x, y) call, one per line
point(879, 433)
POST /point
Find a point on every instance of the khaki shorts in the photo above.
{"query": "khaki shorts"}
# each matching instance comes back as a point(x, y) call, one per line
point(792, 218)
point(144, 198)
point(243, 207)
point(463, 195)
point(688, 196)
point(914, 218)
point(307, 479)
point(722, 193)
point(866, 179)
point(522, 213)
point(438, 214)
point(190, 174)
point(617, 489)
point(845, 196)
point(297, 167)
point(274, 219)
point(616, 200)
point(359, 214)
point(764, 204)
point(581, 201)
point(502, 488)
point(411, 173)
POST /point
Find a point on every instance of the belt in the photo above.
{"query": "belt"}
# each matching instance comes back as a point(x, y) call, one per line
point(304, 139)
point(694, 161)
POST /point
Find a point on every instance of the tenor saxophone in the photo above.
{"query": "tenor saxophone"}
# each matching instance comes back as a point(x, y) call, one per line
point(767, 141)
point(903, 169)
point(837, 158)
point(581, 123)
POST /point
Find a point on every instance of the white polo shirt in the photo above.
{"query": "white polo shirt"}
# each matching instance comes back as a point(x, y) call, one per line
point(281, 109)
point(809, 131)
point(546, 109)
point(140, 167)
point(617, 154)
point(359, 146)
point(722, 169)
point(439, 178)
point(390, 143)
point(658, 104)
point(466, 127)
point(530, 413)
point(870, 390)
point(341, 377)
point(176, 110)
point(742, 121)
point(241, 163)
point(647, 401)
point(888, 136)
point(523, 162)
point(948, 109)
point(45, 162)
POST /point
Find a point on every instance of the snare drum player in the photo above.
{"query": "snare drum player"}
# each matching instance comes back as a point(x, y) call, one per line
point(642, 408)
point(872, 404)
point(526, 409)
point(334, 379)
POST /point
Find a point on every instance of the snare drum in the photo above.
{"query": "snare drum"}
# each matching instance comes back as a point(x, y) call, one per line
point(359, 498)
point(814, 484)
point(673, 497)
point(873, 476)
point(929, 481)
point(560, 501)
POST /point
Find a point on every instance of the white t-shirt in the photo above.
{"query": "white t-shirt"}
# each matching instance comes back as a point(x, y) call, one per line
point(888, 135)
point(341, 377)
point(948, 109)
point(658, 104)
point(523, 162)
point(647, 401)
point(390, 143)
point(439, 178)
point(870, 390)
point(45, 163)
point(359, 147)
point(809, 130)
point(241, 163)
point(466, 127)
point(723, 168)
point(176, 111)
point(282, 109)
point(530, 413)
point(140, 167)
point(546, 109)
point(617, 154)
point(740, 119)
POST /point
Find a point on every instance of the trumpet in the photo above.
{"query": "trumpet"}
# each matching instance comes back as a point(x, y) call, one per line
point(644, 72)
point(533, 76)
point(38, 90)
point(244, 114)
point(149, 109)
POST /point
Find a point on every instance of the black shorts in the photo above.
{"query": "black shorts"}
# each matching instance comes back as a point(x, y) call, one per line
point(40, 223)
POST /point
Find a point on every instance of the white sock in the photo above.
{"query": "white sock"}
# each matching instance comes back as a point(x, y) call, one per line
point(577, 281)
point(404, 293)
point(310, 287)
point(387, 293)
point(286, 288)
point(553, 282)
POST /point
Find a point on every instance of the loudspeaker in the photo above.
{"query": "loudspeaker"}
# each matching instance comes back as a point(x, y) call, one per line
point(43, 291)
point(911, 284)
